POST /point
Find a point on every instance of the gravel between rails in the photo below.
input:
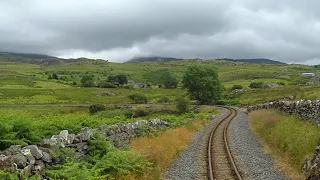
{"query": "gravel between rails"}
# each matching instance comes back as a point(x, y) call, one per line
point(192, 163)
point(249, 153)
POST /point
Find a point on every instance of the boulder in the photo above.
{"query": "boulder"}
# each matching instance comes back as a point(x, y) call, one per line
point(49, 143)
point(46, 157)
point(35, 151)
point(27, 170)
point(6, 163)
point(39, 166)
point(84, 135)
point(20, 160)
point(12, 150)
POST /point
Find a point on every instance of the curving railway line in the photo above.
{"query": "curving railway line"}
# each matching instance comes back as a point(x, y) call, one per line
point(220, 161)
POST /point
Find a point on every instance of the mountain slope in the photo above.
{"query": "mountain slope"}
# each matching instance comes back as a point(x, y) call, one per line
point(153, 59)
point(253, 61)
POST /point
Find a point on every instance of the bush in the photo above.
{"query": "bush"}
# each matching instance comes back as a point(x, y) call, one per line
point(231, 102)
point(138, 98)
point(163, 99)
point(107, 85)
point(237, 86)
point(88, 84)
point(96, 108)
point(182, 105)
point(282, 83)
point(254, 85)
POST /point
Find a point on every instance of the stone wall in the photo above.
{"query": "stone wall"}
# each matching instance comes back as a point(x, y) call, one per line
point(305, 109)
point(34, 159)
point(311, 167)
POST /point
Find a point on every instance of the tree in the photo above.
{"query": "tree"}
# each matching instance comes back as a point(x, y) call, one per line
point(122, 79)
point(87, 81)
point(169, 81)
point(202, 84)
point(119, 79)
point(54, 76)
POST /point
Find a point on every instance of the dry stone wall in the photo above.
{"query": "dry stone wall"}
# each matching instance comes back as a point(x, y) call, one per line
point(305, 109)
point(34, 159)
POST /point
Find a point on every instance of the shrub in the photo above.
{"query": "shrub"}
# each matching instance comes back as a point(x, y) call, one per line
point(74, 83)
point(138, 98)
point(140, 113)
point(182, 105)
point(54, 76)
point(256, 85)
point(163, 99)
point(107, 85)
point(96, 108)
point(282, 83)
point(88, 84)
point(237, 86)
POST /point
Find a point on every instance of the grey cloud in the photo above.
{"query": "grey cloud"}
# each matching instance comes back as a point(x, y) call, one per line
point(119, 29)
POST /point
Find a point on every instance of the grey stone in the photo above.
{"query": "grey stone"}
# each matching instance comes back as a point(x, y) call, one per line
point(39, 166)
point(20, 160)
point(35, 151)
point(12, 150)
point(27, 170)
point(46, 157)
point(49, 143)
point(6, 163)
point(85, 134)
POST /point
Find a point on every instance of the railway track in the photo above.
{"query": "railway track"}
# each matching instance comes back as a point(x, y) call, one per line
point(221, 165)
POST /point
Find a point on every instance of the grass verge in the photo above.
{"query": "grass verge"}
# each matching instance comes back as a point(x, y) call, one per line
point(288, 139)
point(162, 150)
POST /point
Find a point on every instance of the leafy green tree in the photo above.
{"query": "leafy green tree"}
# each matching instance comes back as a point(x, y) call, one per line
point(87, 81)
point(54, 76)
point(120, 79)
point(169, 81)
point(202, 84)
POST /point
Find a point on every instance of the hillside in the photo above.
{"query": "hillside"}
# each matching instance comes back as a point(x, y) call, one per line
point(253, 61)
point(153, 59)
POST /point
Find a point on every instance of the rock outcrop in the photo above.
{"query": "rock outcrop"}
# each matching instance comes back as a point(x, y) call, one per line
point(34, 159)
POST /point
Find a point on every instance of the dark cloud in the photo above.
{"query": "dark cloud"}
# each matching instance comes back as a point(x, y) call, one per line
point(286, 30)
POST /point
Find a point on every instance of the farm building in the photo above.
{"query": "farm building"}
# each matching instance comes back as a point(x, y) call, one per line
point(308, 75)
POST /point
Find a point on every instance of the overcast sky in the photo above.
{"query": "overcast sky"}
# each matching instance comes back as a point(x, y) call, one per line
point(117, 30)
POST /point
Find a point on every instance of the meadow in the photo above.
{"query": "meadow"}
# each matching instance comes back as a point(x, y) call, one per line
point(32, 84)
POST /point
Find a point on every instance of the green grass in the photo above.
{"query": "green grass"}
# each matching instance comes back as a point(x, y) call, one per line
point(289, 138)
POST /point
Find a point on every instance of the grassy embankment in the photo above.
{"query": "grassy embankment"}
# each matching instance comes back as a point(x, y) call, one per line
point(162, 150)
point(288, 139)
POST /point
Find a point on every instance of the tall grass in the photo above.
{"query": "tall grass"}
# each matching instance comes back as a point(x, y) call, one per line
point(163, 149)
point(287, 138)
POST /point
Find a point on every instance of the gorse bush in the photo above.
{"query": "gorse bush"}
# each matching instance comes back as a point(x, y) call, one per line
point(138, 98)
point(96, 108)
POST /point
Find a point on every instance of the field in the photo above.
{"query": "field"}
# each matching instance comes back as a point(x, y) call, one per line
point(32, 84)
point(22, 83)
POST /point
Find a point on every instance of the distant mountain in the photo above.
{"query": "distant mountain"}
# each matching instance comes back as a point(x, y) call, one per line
point(153, 59)
point(26, 55)
point(253, 61)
